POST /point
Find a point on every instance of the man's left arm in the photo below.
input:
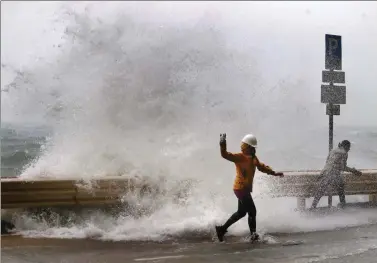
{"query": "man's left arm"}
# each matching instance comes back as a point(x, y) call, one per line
point(349, 169)
point(267, 169)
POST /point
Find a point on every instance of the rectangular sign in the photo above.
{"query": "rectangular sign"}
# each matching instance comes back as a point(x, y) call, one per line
point(333, 94)
point(333, 76)
point(333, 59)
point(332, 109)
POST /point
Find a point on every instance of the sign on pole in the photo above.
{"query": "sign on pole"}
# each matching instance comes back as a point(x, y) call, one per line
point(332, 109)
point(333, 60)
point(333, 76)
point(333, 94)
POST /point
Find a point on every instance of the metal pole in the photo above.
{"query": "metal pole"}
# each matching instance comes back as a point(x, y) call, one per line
point(331, 121)
point(331, 136)
point(331, 130)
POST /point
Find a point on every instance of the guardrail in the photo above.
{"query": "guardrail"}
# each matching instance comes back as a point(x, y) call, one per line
point(303, 184)
point(18, 193)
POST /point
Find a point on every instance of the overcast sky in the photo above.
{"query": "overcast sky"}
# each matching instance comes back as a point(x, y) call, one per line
point(287, 38)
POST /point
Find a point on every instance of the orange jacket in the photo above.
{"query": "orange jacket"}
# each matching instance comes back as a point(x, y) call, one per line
point(245, 168)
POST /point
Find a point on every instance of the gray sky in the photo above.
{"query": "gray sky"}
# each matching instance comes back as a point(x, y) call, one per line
point(286, 39)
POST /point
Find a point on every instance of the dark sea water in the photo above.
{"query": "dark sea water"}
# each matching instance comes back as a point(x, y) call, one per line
point(20, 145)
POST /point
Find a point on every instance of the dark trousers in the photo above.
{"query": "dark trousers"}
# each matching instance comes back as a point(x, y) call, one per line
point(245, 206)
point(326, 185)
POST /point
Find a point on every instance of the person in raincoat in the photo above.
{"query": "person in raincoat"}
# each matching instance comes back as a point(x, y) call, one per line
point(246, 163)
point(331, 177)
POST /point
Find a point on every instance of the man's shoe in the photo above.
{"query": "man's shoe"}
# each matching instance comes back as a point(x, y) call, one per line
point(341, 205)
point(220, 231)
point(254, 237)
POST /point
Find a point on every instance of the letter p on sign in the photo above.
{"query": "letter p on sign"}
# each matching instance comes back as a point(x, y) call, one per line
point(333, 59)
point(333, 45)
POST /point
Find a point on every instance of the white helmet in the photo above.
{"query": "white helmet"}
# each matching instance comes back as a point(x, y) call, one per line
point(251, 140)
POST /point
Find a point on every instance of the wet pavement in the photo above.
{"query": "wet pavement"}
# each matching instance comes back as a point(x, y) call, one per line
point(357, 244)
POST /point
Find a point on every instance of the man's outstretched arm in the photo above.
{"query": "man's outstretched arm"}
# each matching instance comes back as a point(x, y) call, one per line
point(267, 169)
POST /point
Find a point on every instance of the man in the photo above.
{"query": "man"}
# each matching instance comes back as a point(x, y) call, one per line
point(331, 174)
point(246, 162)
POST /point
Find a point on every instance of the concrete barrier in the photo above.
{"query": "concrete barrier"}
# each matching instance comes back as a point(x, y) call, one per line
point(303, 184)
point(17, 193)
point(39, 193)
